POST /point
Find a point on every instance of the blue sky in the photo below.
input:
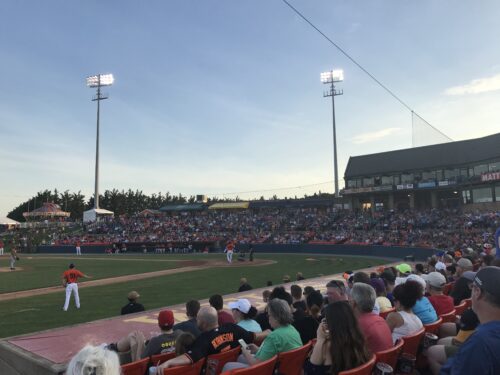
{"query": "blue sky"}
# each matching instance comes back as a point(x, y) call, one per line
point(224, 96)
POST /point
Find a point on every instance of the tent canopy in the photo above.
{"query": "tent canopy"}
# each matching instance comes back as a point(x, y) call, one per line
point(7, 221)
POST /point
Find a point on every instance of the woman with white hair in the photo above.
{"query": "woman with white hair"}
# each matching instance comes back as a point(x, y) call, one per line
point(94, 360)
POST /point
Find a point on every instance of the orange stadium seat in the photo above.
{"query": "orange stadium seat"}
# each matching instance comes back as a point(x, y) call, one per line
point(291, 362)
point(158, 359)
point(450, 317)
point(193, 369)
point(459, 310)
point(390, 356)
point(384, 314)
point(262, 368)
point(447, 288)
point(433, 327)
point(412, 342)
point(216, 362)
point(365, 369)
point(136, 368)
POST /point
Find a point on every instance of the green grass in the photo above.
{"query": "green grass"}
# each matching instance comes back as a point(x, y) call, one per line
point(43, 312)
point(38, 272)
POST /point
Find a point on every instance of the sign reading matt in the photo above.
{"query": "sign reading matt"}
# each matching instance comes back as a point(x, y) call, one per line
point(493, 176)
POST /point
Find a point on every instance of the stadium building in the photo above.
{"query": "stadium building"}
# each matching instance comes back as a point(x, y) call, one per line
point(463, 173)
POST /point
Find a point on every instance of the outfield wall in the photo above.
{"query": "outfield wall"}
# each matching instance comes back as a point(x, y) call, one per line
point(396, 252)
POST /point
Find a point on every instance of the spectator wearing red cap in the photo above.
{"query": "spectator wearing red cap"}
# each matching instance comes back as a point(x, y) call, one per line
point(140, 348)
point(479, 354)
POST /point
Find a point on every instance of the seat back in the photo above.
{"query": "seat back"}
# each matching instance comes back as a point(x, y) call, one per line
point(136, 368)
point(365, 369)
point(390, 356)
point(447, 288)
point(158, 359)
point(292, 362)
point(412, 342)
point(450, 317)
point(459, 310)
point(193, 369)
point(262, 368)
point(384, 314)
point(433, 327)
point(216, 362)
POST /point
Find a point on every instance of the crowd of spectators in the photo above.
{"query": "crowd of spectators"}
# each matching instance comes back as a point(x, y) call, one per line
point(349, 321)
point(432, 228)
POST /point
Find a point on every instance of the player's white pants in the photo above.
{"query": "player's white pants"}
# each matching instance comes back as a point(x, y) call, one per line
point(73, 287)
point(12, 263)
point(78, 251)
point(229, 256)
point(1, 250)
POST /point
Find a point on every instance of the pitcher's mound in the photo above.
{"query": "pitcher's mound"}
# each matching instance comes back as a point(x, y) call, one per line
point(7, 269)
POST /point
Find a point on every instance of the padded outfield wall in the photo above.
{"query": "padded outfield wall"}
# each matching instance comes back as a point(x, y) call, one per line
point(395, 252)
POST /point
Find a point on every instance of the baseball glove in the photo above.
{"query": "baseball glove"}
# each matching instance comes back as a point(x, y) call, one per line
point(17, 258)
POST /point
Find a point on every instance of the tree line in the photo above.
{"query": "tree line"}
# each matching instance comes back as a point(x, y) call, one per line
point(122, 202)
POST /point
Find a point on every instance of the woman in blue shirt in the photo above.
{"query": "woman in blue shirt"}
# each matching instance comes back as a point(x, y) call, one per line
point(243, 314)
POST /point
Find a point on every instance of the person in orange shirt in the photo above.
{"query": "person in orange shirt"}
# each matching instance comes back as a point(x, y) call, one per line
point(69, 279)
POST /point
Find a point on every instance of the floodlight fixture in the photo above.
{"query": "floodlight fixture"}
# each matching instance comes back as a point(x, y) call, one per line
point(100, 80)
point(331, 77)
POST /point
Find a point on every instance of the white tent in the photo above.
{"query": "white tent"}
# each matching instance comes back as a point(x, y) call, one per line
point(95, 214)
point(9, 223)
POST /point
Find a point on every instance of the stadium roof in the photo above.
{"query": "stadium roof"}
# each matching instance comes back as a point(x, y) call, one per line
point(183, 207)
point(229, 205)
point(443, 155)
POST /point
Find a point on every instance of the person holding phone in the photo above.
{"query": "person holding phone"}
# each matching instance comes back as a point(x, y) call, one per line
point(340, 345)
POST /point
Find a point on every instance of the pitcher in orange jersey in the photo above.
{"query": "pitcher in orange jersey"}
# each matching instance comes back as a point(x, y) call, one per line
point(69, 279)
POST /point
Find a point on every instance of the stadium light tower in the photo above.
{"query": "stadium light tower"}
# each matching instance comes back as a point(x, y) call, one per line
point(330, 78)
point(98, 81)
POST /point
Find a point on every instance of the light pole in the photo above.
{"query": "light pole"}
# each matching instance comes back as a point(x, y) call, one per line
point(331, 78)
point(98, 81)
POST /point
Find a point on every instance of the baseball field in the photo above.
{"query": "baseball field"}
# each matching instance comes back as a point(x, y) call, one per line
point(31, 297)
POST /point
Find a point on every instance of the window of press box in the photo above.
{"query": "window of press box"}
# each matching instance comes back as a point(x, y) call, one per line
point(387, 180)
point(428, 175)
point(480, 169)
point(497, 193)
point(451, 173)
point(466, 196)
point(482, 195)
point(494, 167)
point(407, 178)
point(368, 181)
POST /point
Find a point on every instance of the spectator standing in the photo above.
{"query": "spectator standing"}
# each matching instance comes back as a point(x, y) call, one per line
point(217, 303)
point(480, 354)
point(132, 306)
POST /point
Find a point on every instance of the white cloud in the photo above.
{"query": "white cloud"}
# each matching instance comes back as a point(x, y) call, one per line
point(476, 86)
point(374, 136)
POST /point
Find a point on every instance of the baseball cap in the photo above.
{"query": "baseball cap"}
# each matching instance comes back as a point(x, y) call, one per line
point(440, 266)
point(378, 285)
point(436, 280)
point(242, 305)
point(464, 263)
point(404, 268)
point(416, 278)
point(440, 253)
point(166, 318)
point(488, 280)
point(133, 295)
point(469, 275)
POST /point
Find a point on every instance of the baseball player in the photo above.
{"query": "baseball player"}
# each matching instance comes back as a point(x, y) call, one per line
point(78, 249)
point(69, 280)
point(13, 258)
point(229, 252)
point(1, 247)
